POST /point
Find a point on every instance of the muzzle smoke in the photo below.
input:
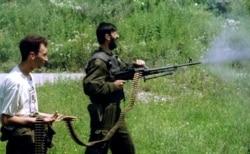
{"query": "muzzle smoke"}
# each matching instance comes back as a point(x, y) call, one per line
point(229, 55)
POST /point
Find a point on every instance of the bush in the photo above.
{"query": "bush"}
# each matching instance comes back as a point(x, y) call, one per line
point(172, 30)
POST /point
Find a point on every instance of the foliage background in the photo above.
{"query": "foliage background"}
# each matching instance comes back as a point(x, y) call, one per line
point(173, 30)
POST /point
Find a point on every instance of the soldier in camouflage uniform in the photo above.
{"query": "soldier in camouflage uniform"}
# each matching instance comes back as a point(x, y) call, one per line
point(105, 94)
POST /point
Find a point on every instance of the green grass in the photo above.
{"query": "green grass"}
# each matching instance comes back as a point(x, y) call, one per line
point(194, 118)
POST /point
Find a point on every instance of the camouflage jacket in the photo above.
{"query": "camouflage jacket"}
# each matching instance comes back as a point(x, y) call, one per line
point(98, 83)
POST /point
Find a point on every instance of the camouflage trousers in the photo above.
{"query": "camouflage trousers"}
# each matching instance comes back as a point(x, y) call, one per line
point(21, 140)
point(103, 118)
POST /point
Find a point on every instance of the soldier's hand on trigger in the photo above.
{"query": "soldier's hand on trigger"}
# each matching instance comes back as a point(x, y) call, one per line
point(119, 83)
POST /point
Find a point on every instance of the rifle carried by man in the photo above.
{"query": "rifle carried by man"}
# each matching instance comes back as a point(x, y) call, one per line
point(147, 73)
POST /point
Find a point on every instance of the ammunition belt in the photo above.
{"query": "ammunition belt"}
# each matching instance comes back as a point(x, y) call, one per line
point(40, 133)
point(74, 135)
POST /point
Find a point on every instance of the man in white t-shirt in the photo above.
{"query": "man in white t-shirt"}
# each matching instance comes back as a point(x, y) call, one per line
point(18, 98)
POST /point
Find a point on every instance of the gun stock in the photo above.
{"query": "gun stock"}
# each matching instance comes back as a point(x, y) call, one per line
point(149, 73)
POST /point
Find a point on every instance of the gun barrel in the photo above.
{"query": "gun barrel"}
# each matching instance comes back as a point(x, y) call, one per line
point(187, 64)
point(128, 74)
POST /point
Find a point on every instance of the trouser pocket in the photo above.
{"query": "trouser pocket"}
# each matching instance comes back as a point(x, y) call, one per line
point(96, 116)
point(25, 136)
point(110, 116)
point(5, 134)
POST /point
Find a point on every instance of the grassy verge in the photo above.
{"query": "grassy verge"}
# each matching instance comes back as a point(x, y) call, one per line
point(170, 117)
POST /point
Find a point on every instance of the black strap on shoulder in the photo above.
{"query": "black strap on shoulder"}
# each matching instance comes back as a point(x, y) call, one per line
point(100, 55)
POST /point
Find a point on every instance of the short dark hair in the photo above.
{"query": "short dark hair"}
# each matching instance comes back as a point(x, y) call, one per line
point(103, 29)
point(31, 43)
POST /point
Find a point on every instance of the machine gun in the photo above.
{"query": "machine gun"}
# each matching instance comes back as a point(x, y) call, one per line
point(147, 74)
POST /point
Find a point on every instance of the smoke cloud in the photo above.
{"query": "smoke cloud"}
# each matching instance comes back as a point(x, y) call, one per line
point(229, 55)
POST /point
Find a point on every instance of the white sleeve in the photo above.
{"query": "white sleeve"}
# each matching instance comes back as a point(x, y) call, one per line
point(10, 99)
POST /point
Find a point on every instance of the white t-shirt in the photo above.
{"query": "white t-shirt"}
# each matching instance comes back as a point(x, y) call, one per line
point(18, 94)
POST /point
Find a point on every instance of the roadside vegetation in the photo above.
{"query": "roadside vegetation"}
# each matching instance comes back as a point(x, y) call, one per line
point(172, 30)
point(197, 110)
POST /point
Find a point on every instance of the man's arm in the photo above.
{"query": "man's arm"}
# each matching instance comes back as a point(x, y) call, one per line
point(17, 120)
point(96, 82)
point(25, 120)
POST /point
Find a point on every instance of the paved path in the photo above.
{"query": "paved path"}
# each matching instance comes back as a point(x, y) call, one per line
point(41, 78)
